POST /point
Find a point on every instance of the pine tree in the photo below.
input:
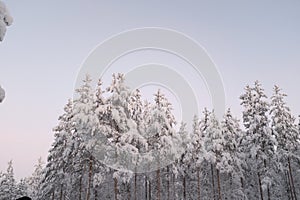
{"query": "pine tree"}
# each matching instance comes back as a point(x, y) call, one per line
point(285, 130)
point(163, 139)
point(183, 166)
point(259, 142)
point(204, 171)
point(232, 160)
point(124, 137)
point(54, 182)
point(34, 182)
point(197, 151)
point(87, 123)
point(8, 183)
point(22, 188)
point(213, 147)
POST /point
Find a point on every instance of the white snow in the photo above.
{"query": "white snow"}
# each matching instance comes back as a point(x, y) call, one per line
point(5, 20)
point(2, 94)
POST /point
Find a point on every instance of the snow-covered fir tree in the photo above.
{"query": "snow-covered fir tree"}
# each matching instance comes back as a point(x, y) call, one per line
point(55, 180)
point(8, 184)
point(110, 144)
point(34, 181)
point(232, 160)
point(259, 143)
point(287, 135)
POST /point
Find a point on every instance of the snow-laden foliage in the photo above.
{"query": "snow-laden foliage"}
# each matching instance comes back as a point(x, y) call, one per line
point(2, 94)
point(8, 184)
point(5, 20)
point(286, 131)
point(109, 144)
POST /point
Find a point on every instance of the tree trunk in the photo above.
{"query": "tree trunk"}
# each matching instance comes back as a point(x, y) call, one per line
point(96, 193)
point(61, 192)
point(149, 189)
point(168, 183)
point(243, 186)
point(53, 193)
point(80, 187)
point(269, 194)
point(184, 187)
point(135, 186)
point(146, 187)
point(213, 181)
point(173, 185)
point(219, 185)
point(268, 188)
point(198, 183)
point(230, 188)
point(128, 191)
point(292, 179)
point(158, 184)
point(289, 189)
point(88, 193)
point(116, 188)
point(260, 187)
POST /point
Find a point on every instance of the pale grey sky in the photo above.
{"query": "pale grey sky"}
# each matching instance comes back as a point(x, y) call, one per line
point(44, 48)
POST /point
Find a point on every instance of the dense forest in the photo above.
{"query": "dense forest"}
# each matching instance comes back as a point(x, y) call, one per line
point(257, 157)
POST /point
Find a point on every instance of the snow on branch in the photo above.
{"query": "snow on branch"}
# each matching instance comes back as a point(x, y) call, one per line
point(5, 20)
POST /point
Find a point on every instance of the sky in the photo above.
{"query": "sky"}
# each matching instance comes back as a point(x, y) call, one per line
point(48, 41)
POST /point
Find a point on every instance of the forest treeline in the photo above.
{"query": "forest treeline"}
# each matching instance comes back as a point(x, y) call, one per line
point(257, 157)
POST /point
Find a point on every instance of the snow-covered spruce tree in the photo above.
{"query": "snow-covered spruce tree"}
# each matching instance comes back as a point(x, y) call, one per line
point(286, 132)
point(197, 151)
point(205, 175)
point(8, 183)
point(213, 147)
point(102, 174)
point(54, 181)
point(259, 143)
point(232, 160)
point(163, 139)
point(34, 181)
point(22, 188)
point(137, 115)
point(126, 137)
point(144, 127)
point(181, 168)
point(86, 120)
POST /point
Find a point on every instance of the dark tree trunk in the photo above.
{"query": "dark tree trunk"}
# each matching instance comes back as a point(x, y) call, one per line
point(128, 191)
point(168, 183)
point(184, 187)
point(96, 193)
point(219, 185)
point(146, 187)
point(198, 183)
point(289, 189)
point(135, 186)
point(243, 186)
point(213, 181)
point(88, 193)
point(61, 192)
point(260, 187)
point(150, 189)
point(158, 184)
point(53, 193)
point(80, 185)
point(292, 179)
point(116, 188)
